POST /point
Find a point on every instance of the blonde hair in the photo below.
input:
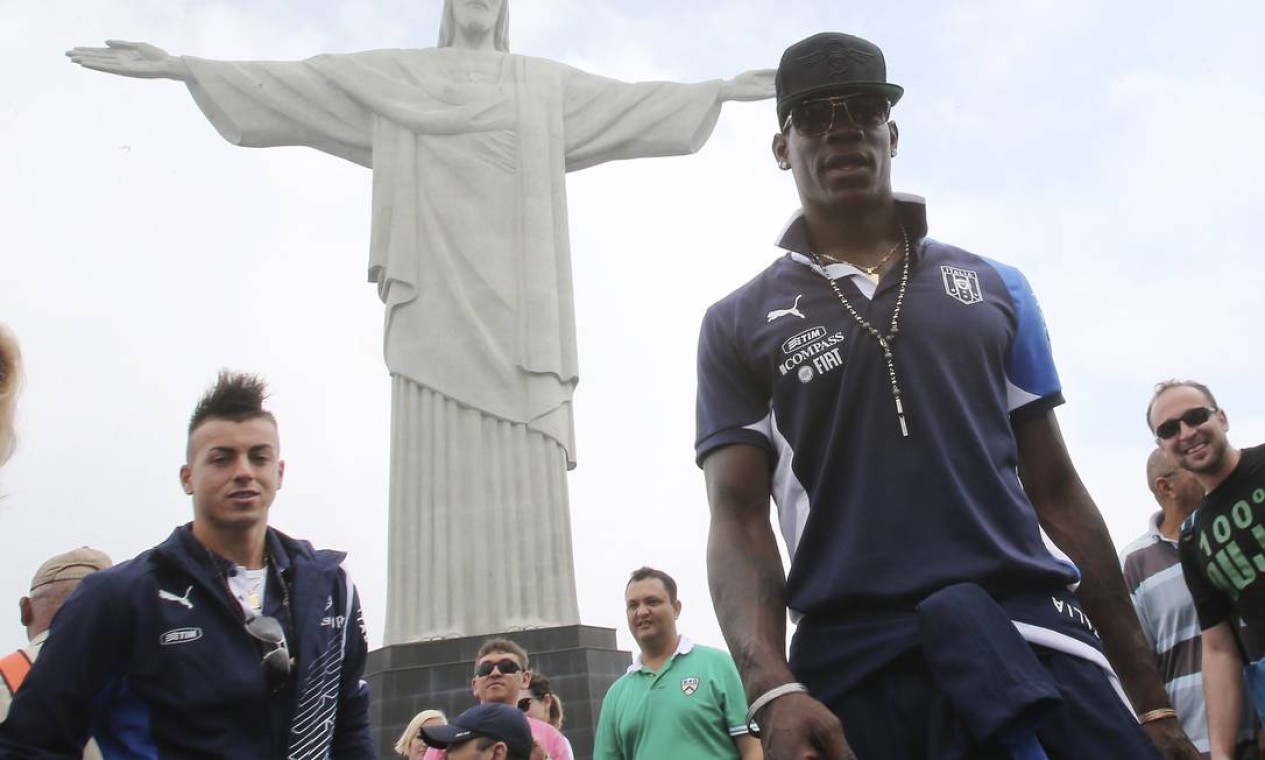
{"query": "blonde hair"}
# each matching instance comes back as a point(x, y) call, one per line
point(10, 384)
point(414, 728)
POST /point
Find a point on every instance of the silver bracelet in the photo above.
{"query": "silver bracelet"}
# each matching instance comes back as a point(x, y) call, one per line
point(772, 694)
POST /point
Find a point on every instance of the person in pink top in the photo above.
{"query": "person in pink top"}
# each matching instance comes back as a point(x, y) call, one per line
point(500, 673)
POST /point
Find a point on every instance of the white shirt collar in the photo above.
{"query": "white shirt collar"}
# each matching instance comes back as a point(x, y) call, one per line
point(683, 646)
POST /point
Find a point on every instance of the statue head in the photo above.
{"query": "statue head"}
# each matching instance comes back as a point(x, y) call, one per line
point(449, 22)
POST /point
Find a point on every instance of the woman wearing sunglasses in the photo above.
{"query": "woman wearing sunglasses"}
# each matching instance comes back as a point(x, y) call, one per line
point(539, 701)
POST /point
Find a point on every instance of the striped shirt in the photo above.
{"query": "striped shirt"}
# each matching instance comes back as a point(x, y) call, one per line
point(1153, 574)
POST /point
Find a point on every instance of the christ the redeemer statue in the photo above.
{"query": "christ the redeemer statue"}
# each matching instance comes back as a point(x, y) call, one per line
point(469, 147)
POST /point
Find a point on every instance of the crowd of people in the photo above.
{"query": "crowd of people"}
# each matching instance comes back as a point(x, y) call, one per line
point(892, 395)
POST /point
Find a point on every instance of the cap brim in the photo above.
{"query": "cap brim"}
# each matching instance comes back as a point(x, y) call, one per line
point(440, 737)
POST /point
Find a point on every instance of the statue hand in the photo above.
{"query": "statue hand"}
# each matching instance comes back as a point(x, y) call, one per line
point(756, 84)
point(130, 59)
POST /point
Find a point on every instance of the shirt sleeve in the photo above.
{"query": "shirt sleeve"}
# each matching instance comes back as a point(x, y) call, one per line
point(606, 742)
point(550, 740)
point(1032, 382)
point(351, 734)
point(735, 698)
point(1211, 604)
point(733, 403)
point(1132, 568)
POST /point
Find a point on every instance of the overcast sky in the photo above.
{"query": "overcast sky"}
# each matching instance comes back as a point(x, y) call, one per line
point(1111, 150)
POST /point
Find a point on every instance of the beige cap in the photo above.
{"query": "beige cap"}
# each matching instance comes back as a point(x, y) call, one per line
point(70, 566)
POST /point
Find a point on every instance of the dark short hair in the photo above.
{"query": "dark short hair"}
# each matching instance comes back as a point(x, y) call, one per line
point(504, 646)
point(541, 688)
point(642, 573)
point(236, 397)
point(1169, 385)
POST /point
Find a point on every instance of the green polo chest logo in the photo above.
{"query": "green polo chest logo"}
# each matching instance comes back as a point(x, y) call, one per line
point(689, 685)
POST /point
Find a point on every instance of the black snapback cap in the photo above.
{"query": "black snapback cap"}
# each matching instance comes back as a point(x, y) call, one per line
point(831, 62)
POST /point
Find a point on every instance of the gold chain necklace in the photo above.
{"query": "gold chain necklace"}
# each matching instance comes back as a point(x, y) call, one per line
point(870, 272)
point(269, 564)
point(252, 593)
point(884, 341)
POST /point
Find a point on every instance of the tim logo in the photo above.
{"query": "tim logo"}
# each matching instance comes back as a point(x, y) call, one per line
point(180, 636)
point(803, 339)
point(962, 284)
point(689, 686)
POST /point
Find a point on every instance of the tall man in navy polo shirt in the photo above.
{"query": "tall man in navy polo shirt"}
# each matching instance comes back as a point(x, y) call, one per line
point(894, 395)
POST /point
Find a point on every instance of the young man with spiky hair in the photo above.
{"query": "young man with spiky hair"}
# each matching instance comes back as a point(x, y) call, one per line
point(229, 639)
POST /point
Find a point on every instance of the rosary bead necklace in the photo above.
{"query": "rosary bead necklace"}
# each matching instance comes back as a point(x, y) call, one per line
point(884, 341)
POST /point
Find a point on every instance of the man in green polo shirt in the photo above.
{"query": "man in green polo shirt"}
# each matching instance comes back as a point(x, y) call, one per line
point(678, 699)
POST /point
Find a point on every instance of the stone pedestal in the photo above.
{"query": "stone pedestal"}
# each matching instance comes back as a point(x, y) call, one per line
point(581, 661)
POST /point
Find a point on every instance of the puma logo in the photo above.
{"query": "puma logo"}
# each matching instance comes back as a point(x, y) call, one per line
point(791, 312)
point(167, 596)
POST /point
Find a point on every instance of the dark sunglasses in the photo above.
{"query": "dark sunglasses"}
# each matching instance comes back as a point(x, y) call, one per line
point(817, 117)
point(276, 661)
point(524, 704)
point(1192, 417)
point(506, 667)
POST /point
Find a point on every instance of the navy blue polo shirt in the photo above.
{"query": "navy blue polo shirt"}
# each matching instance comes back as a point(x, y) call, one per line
point(873, 519)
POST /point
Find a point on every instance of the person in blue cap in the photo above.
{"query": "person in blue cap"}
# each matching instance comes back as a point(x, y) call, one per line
point(492, 731)
point(894, 396)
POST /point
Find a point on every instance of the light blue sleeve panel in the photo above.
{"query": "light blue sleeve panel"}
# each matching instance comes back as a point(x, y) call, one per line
point(1031, 379)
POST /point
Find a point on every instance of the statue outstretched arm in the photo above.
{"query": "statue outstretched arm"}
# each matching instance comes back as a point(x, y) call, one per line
point(131, 59)
point(756, 84)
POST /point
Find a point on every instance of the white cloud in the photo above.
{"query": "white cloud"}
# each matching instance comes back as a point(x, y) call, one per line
point(1114, 161)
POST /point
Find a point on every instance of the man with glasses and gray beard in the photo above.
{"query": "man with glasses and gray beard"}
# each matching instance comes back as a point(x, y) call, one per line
point(229, 639)
point(1222, 548)
point(894, 396)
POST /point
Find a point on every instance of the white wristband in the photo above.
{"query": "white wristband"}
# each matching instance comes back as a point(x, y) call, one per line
point(772, 694)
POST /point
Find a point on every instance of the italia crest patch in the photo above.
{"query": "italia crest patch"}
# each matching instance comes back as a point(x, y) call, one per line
point(689, 685)
point(962, 284)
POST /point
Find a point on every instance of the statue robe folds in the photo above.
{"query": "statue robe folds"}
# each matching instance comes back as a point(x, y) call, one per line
point(470, 253)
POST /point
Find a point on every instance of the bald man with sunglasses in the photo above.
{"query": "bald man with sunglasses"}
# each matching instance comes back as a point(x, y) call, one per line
point(1222, 548)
